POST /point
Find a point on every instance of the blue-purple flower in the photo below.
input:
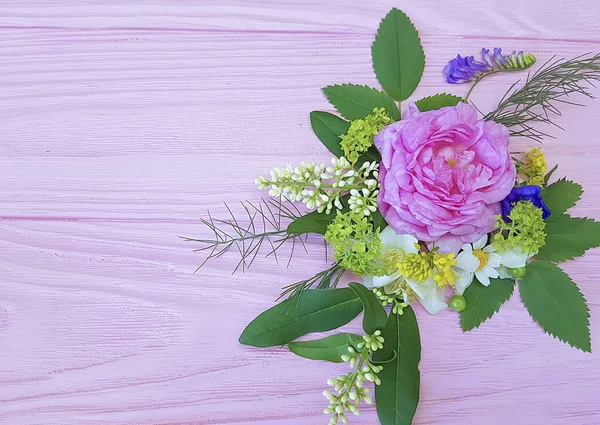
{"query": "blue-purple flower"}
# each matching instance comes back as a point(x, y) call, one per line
point(462, 70)
point(524, 193)
point(465, 69)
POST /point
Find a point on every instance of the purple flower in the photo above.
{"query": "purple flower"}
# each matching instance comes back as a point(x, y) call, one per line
point(465, 69)
point(462, 70)
point(524, 193)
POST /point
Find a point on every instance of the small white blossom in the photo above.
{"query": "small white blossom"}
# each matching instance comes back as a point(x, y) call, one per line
point(476, 260)
point(320, 187)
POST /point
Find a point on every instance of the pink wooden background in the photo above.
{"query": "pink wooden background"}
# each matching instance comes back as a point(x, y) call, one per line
point(123, 121)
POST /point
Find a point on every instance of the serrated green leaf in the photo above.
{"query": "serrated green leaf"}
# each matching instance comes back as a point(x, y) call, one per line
point(398, 394)
point(316, 310)
point(330, 348)
point(355, 102)
point(437, 101)
point(329, 128)
point(375, 316)
point(398, 57)
point(560, 196)
point(568, 237)
point(555, 303)
point(484, 301)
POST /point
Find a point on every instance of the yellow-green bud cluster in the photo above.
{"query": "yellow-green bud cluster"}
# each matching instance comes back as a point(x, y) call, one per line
point(534, 168)
point(398, 300)
point(526, 231)
point(348, 390)
point(356, 245)
point(359, 137)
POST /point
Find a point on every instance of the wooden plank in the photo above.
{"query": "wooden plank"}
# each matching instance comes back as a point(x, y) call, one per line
point(124, 122)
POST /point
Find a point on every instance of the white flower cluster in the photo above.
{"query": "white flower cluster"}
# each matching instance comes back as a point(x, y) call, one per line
point(321, 187)
point(350, 387)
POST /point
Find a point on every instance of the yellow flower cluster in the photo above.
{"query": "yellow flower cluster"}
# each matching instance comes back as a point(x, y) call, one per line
point(416, 267)
point(424, 265)
point(536, 167)
point(445, 275)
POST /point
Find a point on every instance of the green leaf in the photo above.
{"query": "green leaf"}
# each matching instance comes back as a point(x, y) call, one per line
point(378, 221)
point(330, 348)
point(437, 101)
point(316, 310)
point(398, 394)
point(549, 174)
point(313, 222)
point(484, 301)
point(316, 222)
point(568, 237)
point(355, 102)
point(369, 156)
point(398, 58)
point(329, 128)
point(375, 316)
point(560, 196)
point(555, 303)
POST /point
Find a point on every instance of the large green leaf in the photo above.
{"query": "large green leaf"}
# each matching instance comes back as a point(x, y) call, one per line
point(484, 301)
point(317, 310)
point(555, 303)
point(355, 102)
point(329, 128)
point(568, 237)
point(560, 196)
point(375, 316)
point(398, 394)
point(437, 101)
point(330, 348)
point(398, 58)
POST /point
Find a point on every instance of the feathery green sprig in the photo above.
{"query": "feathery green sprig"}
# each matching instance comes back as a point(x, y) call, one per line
point(262, 223)
point(538, 100)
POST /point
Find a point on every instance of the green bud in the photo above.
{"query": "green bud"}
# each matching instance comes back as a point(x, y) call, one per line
point(457, 303)
point(517, 272)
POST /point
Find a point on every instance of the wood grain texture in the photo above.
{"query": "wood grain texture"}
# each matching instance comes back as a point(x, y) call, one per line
point(123, 121)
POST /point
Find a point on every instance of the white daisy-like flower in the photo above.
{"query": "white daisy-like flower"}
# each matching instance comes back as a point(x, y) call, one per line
point(396, 246)
point(477, 260)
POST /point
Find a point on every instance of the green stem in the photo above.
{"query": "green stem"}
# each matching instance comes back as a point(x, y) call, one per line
point(477, 80)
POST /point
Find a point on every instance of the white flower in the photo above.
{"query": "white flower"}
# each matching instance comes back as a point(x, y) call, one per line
point(477, 260)
point(429, 294)
point(513, 259)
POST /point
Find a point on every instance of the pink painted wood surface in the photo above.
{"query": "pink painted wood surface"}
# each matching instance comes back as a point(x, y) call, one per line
point(123, 121)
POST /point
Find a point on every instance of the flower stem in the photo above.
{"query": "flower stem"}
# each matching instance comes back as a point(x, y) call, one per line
point(477, 80)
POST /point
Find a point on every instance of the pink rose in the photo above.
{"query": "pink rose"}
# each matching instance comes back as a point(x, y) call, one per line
point(443, 174)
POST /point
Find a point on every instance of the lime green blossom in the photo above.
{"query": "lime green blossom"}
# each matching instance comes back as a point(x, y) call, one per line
point(356, 245)
point(526, 230)
point(359, 137)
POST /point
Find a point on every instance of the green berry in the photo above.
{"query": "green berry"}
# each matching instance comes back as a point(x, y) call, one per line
point(458, 303)
point(518, 272)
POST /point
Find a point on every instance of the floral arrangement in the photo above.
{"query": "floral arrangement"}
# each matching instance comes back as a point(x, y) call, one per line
point(430, 208)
